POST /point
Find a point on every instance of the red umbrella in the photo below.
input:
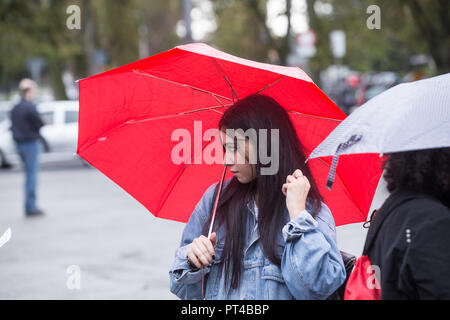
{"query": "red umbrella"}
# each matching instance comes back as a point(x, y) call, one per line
point(128, 115)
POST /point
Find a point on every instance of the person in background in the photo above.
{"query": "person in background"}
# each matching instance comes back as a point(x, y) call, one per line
point(25, 126)
point(409, 236)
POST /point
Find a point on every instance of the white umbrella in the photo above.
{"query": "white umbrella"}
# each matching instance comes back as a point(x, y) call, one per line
point(409, 116)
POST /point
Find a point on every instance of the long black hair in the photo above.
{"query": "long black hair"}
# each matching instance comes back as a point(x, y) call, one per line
point(258, 111)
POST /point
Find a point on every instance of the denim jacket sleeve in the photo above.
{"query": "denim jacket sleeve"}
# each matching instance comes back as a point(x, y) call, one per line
point(311, 264)
point(185, 283)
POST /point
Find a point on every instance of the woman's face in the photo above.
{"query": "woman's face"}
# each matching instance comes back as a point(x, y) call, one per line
point(237, 156)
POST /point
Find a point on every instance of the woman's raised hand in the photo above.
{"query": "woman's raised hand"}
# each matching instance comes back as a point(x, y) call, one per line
point(296, 191)
point(201, 250)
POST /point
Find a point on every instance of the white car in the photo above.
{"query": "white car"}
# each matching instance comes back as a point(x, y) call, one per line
point(60, 131)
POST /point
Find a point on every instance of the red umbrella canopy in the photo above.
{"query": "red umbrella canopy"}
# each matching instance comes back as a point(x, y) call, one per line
point(130, 120)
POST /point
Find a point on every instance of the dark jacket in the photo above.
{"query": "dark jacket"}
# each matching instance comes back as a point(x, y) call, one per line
point(409, 239)
point(25, 121)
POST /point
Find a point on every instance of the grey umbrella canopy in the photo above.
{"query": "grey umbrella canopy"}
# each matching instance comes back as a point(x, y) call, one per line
point(409, 116)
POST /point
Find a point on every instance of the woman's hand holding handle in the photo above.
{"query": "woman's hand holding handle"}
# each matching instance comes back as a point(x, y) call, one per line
point(201, 251)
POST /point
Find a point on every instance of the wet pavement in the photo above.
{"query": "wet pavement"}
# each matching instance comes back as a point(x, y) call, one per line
point(121, 250)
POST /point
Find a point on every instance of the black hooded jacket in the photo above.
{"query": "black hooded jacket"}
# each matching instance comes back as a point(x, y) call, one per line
point(25, 121)
point(409, 240)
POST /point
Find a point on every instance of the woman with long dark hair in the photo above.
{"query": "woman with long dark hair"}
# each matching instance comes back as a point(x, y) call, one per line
point(409, 236)
point(273, 238)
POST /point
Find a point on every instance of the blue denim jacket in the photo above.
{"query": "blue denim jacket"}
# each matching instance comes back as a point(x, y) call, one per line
point(311, 265)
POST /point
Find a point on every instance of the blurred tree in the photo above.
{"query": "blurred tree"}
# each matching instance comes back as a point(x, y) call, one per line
point(158, 23)
point(15, 17)
point(36, 29)
point(366, 49)
point(113, 28)
point(432, 20)
point(117, 29)
point(243, 31)
point(120, 28)
point(126, 30)
point(54, 41)
point(408, 28)
point(239, 31)
point(280, 44)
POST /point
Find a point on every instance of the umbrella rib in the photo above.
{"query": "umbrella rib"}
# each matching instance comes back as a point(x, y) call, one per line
point(233, 93)
point(313, 116)
point(143, 73)
point(179, 114)
point(177, 176)
point(166, 193)
point(203, 109)
point(218, 100)
point(270, 84)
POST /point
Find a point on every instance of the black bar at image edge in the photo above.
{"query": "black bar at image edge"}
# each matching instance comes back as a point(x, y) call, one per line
point(176, 309)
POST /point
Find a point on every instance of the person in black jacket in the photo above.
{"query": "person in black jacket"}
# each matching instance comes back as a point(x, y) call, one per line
point(409, 236)
point(25, 126)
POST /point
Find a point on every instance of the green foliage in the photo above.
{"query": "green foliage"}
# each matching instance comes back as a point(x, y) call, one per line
point(403, 34)
point(117, 29)
point(240, 31)
point(37, 28)
point(388, 48)
point(120, 28)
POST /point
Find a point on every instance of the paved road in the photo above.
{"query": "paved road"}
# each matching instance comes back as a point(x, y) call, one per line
point(121, 250)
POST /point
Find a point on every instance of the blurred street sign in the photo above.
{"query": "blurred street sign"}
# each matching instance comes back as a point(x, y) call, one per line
point(187, 9)
point(306, 44)
point(34, 66)
point(337, 39)
point(98, 60)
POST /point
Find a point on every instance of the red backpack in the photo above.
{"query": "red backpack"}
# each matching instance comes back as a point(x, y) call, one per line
point(363, 283)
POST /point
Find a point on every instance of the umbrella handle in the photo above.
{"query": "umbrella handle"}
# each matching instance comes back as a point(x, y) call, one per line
point(212, 223)
point(216, 202)
point(345, 145)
